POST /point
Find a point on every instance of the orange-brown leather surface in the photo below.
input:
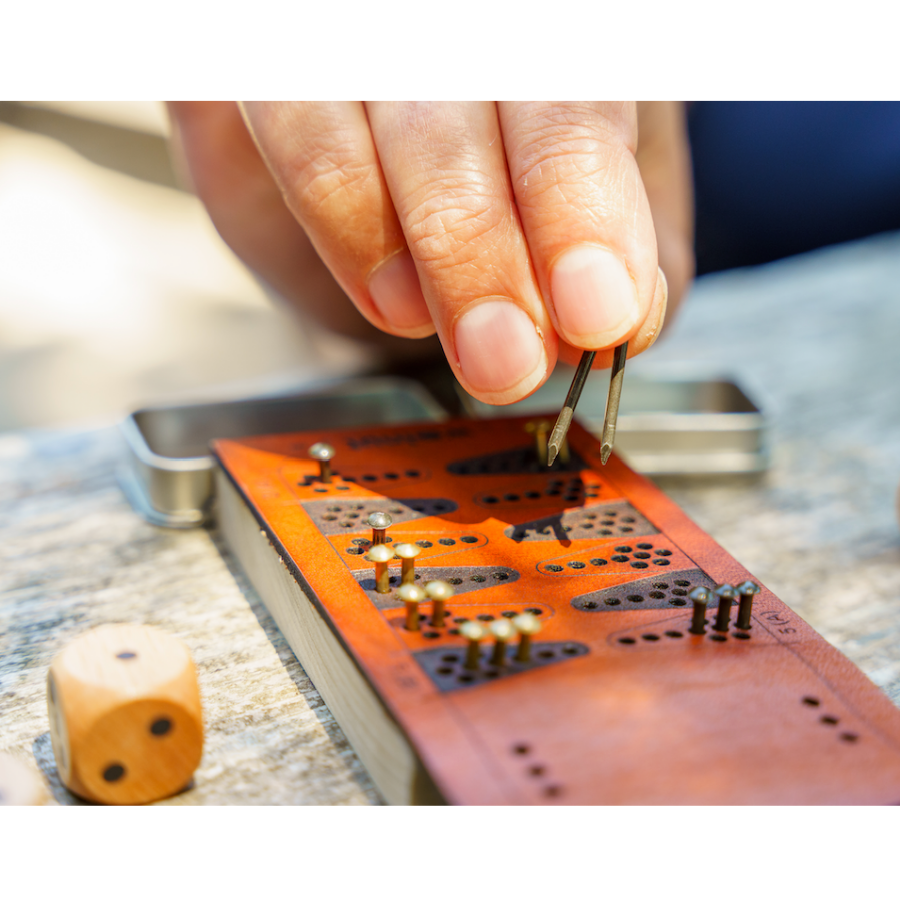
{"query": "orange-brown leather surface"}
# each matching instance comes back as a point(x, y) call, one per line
point(651, 714)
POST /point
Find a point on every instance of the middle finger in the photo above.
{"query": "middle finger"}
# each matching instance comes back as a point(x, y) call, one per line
point(445, 167)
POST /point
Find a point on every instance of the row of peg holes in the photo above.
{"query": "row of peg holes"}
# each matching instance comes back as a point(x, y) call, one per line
point(650, 636)
point(466, 678)
point(556, 488)
point(537, 770)
point(606, 519)
point(829, 720)
point(680, 592)
point(640, 555)
point(363, 544)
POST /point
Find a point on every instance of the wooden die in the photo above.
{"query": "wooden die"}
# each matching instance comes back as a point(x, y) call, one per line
point(125, 716)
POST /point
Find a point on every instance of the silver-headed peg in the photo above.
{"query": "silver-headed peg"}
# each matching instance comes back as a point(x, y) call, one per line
point(323, 453)
point(747, 591)
point(380, 522)
point(381, 555)
point(725, 593)
point(700, 598)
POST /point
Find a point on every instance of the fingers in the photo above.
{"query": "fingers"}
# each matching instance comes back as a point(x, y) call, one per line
point(519, 232)
point(446, 170)
point(217, 156)
point(586, 217)
point(322, 157)
point(664, 159)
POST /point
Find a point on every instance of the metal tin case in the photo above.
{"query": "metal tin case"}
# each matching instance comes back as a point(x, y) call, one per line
point(665, 426)
point(167, 472)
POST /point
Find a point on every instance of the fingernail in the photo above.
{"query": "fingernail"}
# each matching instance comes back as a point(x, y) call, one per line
point(594, 296)
point(394, 288)
point(499, 350)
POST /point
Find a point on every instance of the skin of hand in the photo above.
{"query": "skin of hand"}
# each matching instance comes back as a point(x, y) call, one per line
point(520, 233)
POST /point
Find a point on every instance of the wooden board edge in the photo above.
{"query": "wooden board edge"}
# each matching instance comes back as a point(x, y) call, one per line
point(375, 736)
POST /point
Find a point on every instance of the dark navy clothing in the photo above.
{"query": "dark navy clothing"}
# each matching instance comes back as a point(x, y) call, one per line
point(775, 179)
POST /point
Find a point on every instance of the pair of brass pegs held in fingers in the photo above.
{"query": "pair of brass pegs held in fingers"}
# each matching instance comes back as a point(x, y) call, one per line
point(608, 436)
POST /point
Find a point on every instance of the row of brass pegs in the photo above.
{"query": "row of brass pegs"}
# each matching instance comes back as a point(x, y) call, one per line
point(525, 625)
point(725, 593)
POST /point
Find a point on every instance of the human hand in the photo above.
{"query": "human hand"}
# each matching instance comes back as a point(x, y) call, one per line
point(519, 232)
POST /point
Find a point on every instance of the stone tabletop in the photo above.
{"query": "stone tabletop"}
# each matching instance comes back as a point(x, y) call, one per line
point(815, 340)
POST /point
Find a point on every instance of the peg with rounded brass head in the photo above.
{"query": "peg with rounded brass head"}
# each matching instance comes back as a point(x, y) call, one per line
point(528, 625)
point(407, 554)
point(474, 634)
point(503, 632)
point(381, 554)
point(380, 522)
point(412, 595)
point(323, 453)
point(540, 428)
point(439, 592)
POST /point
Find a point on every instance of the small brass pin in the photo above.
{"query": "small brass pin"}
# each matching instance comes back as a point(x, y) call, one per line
point(747, 591)
point(528, 625)
point(412, 595)
point(608, 436)
point(381, 554)
point(439, 592)
point(323, 453)
point(473, 633)
point(700, 598)
point(408, 554)
point(503, 631)
point(725, 593)
point(540, 428)
point(380, 522)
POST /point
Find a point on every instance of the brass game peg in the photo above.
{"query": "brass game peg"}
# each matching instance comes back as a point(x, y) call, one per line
point(323, 453)
point(528, 626)
point(380, 522)
point(412, 595)
point(725, 593)
point(503, 631)
point(408, 554)
point(439, 592)
point(699, 597)
point(380, 554)
point(747, 591)
point(473, 633)
point(540, 428)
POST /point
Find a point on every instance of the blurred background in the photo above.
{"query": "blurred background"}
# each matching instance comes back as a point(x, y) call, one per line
point(116, 291)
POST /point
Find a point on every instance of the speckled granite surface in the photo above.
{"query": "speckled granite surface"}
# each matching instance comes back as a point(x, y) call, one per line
point(73, 554)
point(816, 340)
